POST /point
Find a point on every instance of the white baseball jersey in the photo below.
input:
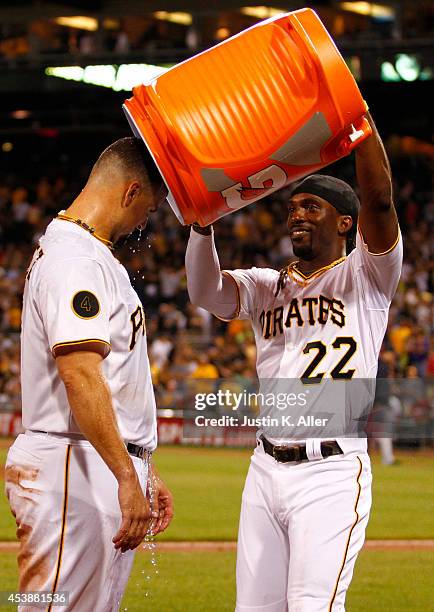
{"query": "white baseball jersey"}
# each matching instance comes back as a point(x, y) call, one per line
point(328, 325)
point(77, 291)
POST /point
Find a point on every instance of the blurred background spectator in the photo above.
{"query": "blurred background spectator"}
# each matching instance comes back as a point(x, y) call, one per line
point(105, 28)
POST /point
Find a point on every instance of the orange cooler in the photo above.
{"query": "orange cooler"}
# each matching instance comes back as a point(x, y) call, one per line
point(249, 116)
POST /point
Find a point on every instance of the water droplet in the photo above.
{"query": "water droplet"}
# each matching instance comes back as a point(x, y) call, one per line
point(148, 543)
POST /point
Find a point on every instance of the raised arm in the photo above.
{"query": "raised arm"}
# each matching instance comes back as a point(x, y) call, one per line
point(377, 219)
point(207, 286)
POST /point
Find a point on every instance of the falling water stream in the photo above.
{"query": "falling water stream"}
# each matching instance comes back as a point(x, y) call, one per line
point(149, 545)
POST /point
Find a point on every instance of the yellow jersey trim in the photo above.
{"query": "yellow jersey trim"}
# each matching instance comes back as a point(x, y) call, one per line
point(349, 536)
point(365, 246)
point(63, 527)
point(292, 269)
point(237, 312)
point(79, 342)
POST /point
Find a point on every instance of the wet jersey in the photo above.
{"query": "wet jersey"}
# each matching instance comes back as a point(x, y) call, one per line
point(77, 292)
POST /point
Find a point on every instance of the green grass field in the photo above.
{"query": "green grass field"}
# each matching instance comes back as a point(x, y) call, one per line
point(384, 581)
point(207, 485)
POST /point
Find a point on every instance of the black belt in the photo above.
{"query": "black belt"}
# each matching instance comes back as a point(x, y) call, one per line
point(137, 451)
point(133, 449)
point(297, 452)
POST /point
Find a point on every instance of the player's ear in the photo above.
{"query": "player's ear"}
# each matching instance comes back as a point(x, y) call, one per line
point(345, 223)
point(131, 192)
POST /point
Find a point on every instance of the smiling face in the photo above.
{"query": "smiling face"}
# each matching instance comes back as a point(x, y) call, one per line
point(315, 226)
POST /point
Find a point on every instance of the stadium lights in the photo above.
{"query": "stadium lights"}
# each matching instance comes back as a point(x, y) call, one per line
point(406, 68)
point(80, 22)
point(111, 24)
point(20, 114)
point(177, 17)
point(118, 78)
point(261, 12)
point(370, 9)
point(70, 73)
point(222, 33)
point(389, 73)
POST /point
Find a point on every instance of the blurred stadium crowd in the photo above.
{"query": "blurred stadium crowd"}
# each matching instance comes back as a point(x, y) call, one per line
point(48, 38)
point(104, 33)
point(185, 341)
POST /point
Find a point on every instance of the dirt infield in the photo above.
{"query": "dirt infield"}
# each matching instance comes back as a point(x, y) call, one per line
point(12, 547)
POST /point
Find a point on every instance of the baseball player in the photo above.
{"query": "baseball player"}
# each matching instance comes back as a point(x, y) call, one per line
point(306, 503)
point(77, 479)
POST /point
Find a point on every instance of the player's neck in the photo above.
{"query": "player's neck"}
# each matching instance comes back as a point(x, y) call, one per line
point(323, 260)
point(93, 212)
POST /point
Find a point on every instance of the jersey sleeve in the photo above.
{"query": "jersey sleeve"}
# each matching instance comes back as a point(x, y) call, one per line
point(74, 303)
point(245, 282)
point(378, 273)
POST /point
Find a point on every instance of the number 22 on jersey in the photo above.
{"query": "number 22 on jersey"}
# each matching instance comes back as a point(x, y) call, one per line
point(319, 350)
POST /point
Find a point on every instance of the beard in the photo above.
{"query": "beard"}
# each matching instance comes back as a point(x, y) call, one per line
point(303, 251)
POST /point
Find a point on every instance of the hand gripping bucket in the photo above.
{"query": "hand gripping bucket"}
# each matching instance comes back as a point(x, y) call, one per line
point(249, 116)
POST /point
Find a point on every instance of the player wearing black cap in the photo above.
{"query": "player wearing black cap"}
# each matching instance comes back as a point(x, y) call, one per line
point(321, 207)
point(318, 326)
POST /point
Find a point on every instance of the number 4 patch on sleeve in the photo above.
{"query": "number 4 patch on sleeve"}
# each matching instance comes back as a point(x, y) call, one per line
point(85, 305)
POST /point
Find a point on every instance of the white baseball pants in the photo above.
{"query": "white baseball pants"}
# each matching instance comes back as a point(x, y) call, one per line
point(301, 528)
point(65, 502)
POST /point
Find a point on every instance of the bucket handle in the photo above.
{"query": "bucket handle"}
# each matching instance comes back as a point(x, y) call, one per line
point(359, 132)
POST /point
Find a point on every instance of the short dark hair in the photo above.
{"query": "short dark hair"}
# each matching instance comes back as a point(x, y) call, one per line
point(134, 158)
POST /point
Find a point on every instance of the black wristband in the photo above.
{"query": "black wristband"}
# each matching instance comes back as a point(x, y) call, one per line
point(203, 231)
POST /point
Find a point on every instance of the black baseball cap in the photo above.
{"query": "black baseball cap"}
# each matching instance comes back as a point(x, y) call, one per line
point(336, 192)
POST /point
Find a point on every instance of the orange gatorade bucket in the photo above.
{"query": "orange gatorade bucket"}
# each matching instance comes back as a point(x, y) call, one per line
point(249, 116)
